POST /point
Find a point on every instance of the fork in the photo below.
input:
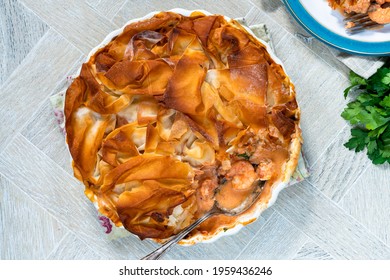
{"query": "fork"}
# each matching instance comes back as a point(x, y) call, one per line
point(360, 23)
point(215, 210)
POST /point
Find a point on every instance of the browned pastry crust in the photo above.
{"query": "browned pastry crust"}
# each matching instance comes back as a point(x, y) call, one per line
point(173, 107)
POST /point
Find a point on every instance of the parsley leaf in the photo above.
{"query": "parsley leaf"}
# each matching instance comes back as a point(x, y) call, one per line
point(386, 79)
point(356, 81)
point(379, 82)
point(371, 117)
point(358, 141)
point(385, 102)
point(369, 113)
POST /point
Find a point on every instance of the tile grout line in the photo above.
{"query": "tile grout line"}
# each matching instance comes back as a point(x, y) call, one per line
point(28, 197)
point(308, 237)
point(45, 156)
point(309, 240)
point(357, 222)
point(330, 144)
point(34, 49)
point(296, 254)
point(257, 232)
point(53, 28)
point(42, 154)
point(3, 85)
point(50, 94)
point(57, 245)
point(117, 12)
point(98, 12)
point(40, 140)
point(69, 234)
point(288, 221)
point(349, 189)
point(322, 154)
point(21, 128)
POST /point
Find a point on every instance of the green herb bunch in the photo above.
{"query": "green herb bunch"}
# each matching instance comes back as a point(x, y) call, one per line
point(370, 115)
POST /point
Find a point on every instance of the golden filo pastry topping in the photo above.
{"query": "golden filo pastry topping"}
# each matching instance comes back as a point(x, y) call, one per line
point(170, 110)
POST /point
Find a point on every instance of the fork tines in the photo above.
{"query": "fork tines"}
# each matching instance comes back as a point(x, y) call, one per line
point(360, 22)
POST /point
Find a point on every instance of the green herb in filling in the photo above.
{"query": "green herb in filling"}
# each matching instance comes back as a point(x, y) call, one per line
point(244, 156)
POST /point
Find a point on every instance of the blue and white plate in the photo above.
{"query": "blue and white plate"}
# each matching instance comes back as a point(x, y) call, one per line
point(327, 25)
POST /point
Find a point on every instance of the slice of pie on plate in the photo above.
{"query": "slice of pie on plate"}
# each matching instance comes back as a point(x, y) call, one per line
point(174, 109)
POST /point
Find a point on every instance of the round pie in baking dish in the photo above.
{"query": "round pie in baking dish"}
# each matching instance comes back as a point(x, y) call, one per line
point(173, 110)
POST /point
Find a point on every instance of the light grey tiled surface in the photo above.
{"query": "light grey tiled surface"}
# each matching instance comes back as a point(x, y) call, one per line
point(340, 212)
point(20, 30)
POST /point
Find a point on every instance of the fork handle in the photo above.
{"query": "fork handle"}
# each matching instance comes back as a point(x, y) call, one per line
point(156, 254)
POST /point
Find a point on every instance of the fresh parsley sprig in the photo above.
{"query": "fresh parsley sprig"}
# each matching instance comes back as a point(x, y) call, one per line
point(370, 115)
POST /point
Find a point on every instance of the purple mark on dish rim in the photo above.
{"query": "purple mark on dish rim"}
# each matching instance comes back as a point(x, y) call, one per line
point(105, 222)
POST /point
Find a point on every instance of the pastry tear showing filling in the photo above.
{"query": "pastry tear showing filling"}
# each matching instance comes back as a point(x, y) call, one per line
point(174, 112)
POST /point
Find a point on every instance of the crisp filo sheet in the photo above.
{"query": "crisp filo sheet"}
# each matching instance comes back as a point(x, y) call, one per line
point(170, 110)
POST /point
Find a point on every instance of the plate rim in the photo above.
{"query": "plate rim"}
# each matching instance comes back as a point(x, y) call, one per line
point(327, 36)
